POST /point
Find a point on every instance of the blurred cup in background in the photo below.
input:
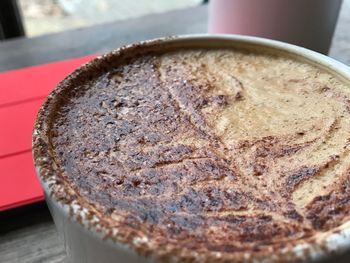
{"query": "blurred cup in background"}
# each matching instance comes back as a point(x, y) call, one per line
point(306, 23)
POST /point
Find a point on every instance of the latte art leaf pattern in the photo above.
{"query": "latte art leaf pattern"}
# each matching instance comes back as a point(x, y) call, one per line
point(209, 150)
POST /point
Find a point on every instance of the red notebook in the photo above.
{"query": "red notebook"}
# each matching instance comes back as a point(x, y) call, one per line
point(22, 92)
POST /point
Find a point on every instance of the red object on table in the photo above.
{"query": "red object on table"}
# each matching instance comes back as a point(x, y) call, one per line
point(22, 92)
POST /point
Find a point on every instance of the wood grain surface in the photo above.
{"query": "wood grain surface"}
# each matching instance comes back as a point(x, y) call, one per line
point(28, 235)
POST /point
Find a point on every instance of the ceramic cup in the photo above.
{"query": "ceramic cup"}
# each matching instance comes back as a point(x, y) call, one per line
point(307, 23)
point(84, 242)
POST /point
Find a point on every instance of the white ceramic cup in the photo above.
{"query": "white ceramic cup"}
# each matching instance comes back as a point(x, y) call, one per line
point(85, 244)
point(307, 23)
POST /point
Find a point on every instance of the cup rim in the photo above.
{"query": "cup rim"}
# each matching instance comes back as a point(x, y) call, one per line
point(323, 245)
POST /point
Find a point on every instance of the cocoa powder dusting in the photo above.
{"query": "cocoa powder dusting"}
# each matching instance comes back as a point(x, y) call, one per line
point(183, 149)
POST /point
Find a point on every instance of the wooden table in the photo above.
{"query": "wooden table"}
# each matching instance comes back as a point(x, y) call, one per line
point(29, 235)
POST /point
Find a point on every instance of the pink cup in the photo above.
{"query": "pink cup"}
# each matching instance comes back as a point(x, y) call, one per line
point(307, 23)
